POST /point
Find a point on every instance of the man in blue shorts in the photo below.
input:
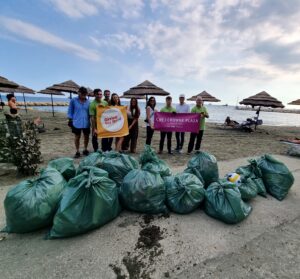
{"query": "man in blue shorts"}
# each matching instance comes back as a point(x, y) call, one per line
point(79, 120)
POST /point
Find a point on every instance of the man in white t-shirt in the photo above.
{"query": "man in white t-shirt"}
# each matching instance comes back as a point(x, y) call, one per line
point(182, 107)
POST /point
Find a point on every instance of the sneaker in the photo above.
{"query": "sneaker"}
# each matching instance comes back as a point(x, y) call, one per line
point(180, 151)
point(159, 152)
point(189, 153)
point(85, 152)
point(171, 153)
point(77, 155)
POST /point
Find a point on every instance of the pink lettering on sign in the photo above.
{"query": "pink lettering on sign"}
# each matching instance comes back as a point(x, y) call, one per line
point(176, 122)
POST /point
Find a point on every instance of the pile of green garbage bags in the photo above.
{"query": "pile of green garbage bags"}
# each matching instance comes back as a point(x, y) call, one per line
point(72, 201)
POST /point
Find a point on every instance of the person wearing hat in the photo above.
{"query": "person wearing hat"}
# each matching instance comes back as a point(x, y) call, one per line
point(182, 107)
point(79, 120)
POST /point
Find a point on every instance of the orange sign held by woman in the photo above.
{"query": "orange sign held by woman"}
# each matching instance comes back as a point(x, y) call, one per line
point(112, 122)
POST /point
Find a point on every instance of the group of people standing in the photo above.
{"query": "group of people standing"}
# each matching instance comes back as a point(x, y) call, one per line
point(182, 107)
point(82, 116)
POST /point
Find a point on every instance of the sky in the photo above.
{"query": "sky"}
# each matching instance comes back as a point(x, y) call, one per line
point(230, 48)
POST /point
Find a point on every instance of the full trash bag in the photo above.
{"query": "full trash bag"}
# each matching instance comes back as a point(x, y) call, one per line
point(185, 192)
point(248, 189)
point(204, 164)
point(276, 176)
point(118, 165)
point(143, 191)
point(223, 201)
point(93, 160)
point(150, 162)
point(90, 201)
point(65, 166)
point(254, 172)
point(31, 205)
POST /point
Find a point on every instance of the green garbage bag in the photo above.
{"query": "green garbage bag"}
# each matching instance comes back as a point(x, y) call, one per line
point(31, 205)
point(254, 172)
point(223, 201)
point(93, 160)
point(276, 176)
point(150, 162)
point(248, 189)
point(90, 201)
point(65, 166)
point(185, 192)
point(205, 164)
point(118, 165)
point(143, 191)
point(195, 172)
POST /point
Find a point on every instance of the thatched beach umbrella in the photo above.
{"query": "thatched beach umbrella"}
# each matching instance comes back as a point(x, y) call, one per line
point(68, 86)
point(206, 97)
point(139, 97)
point(5, 83)
point(146, 88)
point(296, 103)
point(51, 92)
point(19, 89)
point(262, 99)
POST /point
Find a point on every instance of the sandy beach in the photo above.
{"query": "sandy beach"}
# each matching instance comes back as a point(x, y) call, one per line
point(189, 246)
point(223, 143)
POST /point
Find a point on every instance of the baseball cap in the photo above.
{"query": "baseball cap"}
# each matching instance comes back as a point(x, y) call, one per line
point(181, 96)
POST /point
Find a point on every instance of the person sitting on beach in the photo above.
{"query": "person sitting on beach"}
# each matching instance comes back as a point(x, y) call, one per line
point(182, 107)
point(133, 114)
point(231, 123)
point(79, 120)
point(12, 103)
point(168, 108)
point(201, 109)
point(93, 113)
point(150, 109)
point(115, 101)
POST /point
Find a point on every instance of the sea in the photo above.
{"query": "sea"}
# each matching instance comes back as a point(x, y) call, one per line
point(217, 113)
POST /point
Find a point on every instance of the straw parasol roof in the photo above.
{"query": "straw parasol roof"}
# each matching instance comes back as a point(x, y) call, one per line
point(51, 92)
point(206, 97)
point(4, 82)
point(68, 86)
point(262, 99)
point(19, 89)
point(139, 97)
point(146, 88)
point(296, 103)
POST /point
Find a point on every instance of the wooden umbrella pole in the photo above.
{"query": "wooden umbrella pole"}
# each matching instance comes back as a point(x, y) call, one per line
point(1, 100)
point(52, 104)
point(24, 102)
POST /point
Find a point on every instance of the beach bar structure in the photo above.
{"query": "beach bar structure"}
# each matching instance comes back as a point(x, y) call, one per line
point(146, 88)
point(68, 86)
point(206, 97)
point(48, 91)
point(262, 99)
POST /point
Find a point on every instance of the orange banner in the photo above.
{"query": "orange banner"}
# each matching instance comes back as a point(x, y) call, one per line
point(112, 122)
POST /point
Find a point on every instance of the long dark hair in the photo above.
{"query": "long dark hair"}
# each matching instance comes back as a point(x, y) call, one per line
point(136, 107)
point(149, 103)
point(112, 101)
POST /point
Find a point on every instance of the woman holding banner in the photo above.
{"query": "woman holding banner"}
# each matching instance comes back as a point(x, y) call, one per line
point(115, 101)
point(150, 109)
point(201, 109)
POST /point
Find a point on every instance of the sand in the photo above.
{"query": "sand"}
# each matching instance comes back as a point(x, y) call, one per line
point(224, 143)
point(265, 245)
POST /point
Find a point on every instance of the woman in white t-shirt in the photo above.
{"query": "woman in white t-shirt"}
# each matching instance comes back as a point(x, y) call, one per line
point(150, 109)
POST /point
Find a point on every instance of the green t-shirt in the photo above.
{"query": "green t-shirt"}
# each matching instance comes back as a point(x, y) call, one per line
point(168, 109)
point(93, 106)
point(202, 109)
